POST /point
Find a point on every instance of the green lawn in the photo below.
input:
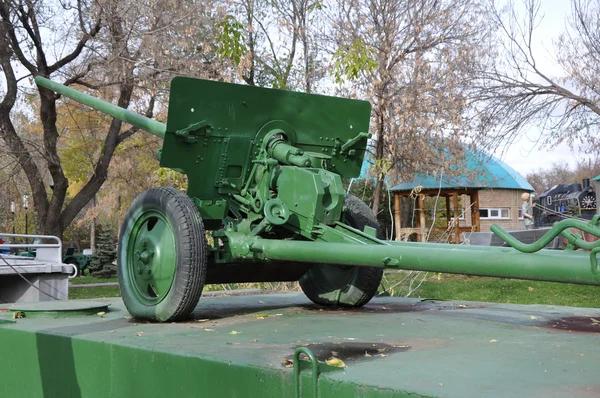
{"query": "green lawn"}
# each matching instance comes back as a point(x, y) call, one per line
point(94, 292)
point(439, 286)
point(460, 287)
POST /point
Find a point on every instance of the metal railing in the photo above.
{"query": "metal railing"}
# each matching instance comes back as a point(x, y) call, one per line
point(49, 253)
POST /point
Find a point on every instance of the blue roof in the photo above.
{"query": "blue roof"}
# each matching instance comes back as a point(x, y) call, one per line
point(482, 171)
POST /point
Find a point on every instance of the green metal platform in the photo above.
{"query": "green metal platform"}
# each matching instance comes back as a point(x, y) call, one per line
point(237, 347)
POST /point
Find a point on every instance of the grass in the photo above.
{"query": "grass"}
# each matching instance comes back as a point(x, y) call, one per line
point(439, 286)
point(92, 292)
point(84, 280)
point(497, 290)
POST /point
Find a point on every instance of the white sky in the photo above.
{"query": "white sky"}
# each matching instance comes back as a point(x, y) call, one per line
point(524, 155)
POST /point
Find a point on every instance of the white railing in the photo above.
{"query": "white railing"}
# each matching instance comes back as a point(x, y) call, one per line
point(50, 253)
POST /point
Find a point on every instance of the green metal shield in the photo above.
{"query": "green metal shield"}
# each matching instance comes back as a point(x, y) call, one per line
point(212, 127)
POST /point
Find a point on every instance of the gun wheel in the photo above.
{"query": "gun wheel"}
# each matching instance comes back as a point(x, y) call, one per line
point(345, 286)
point(162, 256)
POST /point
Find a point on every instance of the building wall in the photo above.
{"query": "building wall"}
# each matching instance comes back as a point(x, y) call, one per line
point(496, 199)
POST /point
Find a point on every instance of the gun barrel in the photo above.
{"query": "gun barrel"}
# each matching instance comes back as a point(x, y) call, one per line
point(503, 262)
point(143, 122)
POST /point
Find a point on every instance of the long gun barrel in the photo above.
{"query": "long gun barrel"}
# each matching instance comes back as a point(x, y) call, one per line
point(152, 126)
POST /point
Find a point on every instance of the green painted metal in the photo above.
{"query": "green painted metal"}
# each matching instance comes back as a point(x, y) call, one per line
point(151, 257)
point(151, 126)
point(243, 133)
point(442, 349)
point(314, 367)
point(58, 308)
point(559, 228)
point(574, 267)
point(265, 171)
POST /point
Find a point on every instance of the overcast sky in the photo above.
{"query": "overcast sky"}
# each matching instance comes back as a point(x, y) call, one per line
point(524, 155)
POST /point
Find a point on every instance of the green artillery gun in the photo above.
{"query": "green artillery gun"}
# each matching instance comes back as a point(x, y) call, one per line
point(265, 202)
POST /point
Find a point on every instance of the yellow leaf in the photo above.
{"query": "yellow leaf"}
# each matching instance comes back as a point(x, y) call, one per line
point(335, 362)
point(208, 330)
point(533, 318)
point(493, 341)
point(101, 313)
point(235, 332)
point(288, 363)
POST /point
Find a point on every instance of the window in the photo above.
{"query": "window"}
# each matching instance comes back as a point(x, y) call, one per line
point(520, 214)
point(502, 213)
point(461, 215)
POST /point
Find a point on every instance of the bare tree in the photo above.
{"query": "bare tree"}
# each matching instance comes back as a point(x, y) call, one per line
point(272, 43)
point(126, 50)
point(561, 173)
point(515, 92)
point(411, 57)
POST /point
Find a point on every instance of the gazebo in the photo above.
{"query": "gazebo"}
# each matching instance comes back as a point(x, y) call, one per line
point(481, 172)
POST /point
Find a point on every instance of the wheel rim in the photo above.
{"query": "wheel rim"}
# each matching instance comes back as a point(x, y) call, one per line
point(151, 257)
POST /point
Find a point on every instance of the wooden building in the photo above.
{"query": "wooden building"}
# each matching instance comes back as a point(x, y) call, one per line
point(487, 192)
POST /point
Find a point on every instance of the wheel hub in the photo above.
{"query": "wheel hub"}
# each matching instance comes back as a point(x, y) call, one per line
point(153, 257)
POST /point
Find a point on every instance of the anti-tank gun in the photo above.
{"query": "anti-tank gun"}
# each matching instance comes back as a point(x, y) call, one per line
point(265, 202)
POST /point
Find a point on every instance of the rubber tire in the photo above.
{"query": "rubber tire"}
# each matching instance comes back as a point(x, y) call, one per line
point(191, 251)
point(361, 283)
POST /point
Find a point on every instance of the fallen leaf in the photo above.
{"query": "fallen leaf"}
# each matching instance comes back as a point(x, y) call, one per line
point(493, 341)
point(18, 315)
point(235, 332)
point(338, 363)
point(254, 340)
point(367, 354)
point(101, 313)
point(288, 363)
point(208, 330)
point(462, 306)
point(260, 316)
point(383, 355)
point(533, 318)
point(530, 289)
point(595, 321)
point(202, 320)
point(139, 334)
point(384, 349)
